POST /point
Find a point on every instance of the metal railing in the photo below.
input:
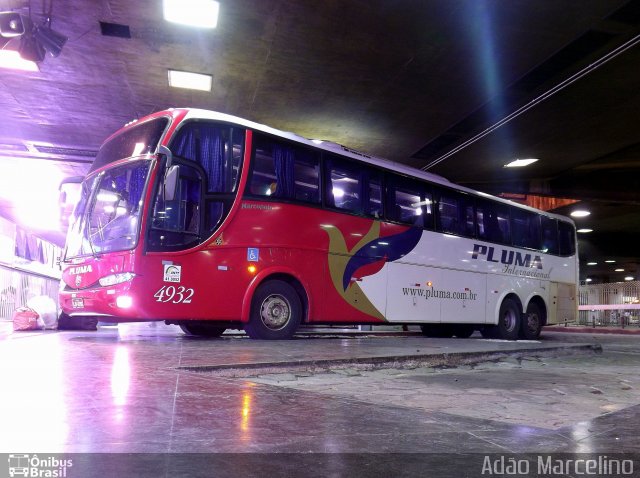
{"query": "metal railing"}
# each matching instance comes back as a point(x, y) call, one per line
point(18, 286)
point(609, 305)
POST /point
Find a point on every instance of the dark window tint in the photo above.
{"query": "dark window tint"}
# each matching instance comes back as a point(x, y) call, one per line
point(285, 171)
point(217, 148)
point(410, 202)
point(566, 234)
point(525, 228)
point(455, 213)
point(135, 141)
point(549, 235)
point(493, 222)
point(353, 187)
point(176, 222)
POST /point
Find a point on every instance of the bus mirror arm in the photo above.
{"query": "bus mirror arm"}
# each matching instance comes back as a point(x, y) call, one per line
point(171, 177)
point(170, 182)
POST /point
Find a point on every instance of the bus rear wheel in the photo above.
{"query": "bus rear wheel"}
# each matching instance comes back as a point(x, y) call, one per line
point(508, 326)
point(202, 330)
point(276, 312)
point(532, 323)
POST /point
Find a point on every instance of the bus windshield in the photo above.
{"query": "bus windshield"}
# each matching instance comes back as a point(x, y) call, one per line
point(108, 215)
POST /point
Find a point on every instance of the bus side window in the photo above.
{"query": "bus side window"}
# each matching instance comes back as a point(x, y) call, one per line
point(410, 202)
point(210, 145)
point(525, 227)
point(284, 171)
point(566, 234)
point(493, 222)
point(455, 214)
point(549, 235)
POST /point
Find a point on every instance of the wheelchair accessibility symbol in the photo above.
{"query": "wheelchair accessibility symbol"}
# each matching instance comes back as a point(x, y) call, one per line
point(253, 254)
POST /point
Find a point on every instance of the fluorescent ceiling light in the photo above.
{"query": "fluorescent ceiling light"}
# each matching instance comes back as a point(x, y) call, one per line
point(588, 280)
point(628, 278)
point(580, 213)
point(195, 13)
point(519, 163)
point(592, 263)
point(619, 270)
point(610, 261)
point(584, 231)
point(193, 81)
point(12, 59)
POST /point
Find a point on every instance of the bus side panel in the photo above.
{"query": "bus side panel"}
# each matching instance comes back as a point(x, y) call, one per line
point(320, 246)
point(563, 305)
point(409, 295)
point(463, 295)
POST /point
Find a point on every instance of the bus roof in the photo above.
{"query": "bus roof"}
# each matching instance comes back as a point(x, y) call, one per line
point(196, 113)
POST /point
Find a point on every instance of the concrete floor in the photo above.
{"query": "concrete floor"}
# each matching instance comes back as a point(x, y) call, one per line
point(321, 405)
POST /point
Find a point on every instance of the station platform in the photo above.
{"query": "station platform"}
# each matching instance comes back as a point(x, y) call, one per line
point(131, 397)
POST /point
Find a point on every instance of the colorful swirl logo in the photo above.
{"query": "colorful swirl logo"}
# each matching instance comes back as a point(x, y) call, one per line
point(366, 258)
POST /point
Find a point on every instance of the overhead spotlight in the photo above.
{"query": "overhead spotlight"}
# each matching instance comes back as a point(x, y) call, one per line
point(49, 39)
point(11, 24)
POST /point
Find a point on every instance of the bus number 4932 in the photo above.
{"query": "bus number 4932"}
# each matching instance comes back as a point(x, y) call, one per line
point(175, 295)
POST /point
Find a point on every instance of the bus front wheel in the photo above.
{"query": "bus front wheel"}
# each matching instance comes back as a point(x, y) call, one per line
point(276, 312)
point(508, 326)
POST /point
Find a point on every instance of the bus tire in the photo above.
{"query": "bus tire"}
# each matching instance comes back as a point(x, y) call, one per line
point(532, 322)
point(202, 330)
point(439, 331)
point(463, 331)
point(508, 326)
point(276, 312)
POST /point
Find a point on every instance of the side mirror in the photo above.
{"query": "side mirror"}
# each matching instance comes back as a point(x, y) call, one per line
point(171, 182)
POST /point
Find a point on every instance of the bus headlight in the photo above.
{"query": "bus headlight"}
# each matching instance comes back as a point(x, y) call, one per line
point(114, 279)
point(124, 301)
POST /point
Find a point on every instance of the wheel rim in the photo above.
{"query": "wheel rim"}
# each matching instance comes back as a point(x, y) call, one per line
point(275, 312)
point(509, 320)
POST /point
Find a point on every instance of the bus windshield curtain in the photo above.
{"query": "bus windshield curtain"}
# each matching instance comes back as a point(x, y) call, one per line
point(138, 177)
point(284, 168)
point(134, 188)
point(204, 144)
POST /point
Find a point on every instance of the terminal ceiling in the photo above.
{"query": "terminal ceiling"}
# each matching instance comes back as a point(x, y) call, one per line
point(426, 83)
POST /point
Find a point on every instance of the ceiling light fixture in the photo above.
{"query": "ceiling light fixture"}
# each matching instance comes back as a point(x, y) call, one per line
point(619, 270)
point(11, 24)
point(20, 35)
point(520, 163)
point(628, 278)
point(592, 263)
point(195, 13)
point(610, 261)
point(584, 231)
point(192, 81)
point(580, 213)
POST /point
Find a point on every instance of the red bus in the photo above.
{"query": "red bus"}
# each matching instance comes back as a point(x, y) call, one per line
point(212, 222)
